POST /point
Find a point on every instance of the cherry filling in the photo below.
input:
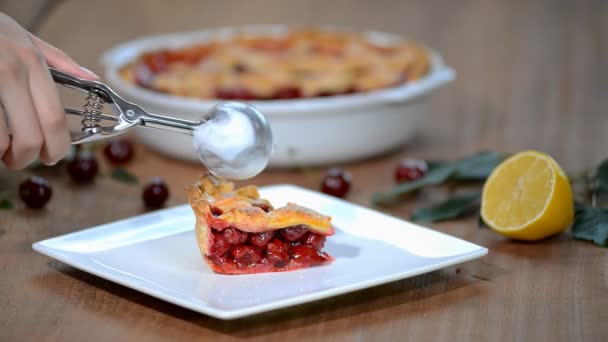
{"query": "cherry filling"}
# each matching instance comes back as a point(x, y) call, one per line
point(315, 241)
point(234, 236)
point(261, 240)
point(220, 246)
point(246, 255)
point(306, 254)
point(235, 252)
point(277, 253)
point(294, 233)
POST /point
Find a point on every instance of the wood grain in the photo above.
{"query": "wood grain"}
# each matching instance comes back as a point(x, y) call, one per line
point(530, 75)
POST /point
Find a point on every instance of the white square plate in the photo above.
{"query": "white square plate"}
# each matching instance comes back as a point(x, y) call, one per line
point(157, 254)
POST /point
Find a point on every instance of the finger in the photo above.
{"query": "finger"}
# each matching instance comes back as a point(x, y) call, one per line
point(53, 122)
point(22, 119)
point(60, 60)
point(5, 138)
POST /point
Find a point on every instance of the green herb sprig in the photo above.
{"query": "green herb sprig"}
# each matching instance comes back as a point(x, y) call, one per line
point(5, 203)
point(590, 224)
point(123, 176)
point(590, 217)
point(455, 206)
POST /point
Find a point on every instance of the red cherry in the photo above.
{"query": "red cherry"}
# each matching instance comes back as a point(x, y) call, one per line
point(262, 239)
point(155, 193)
point(234, 236)
point(220, 246)
point(119, 151)
point(277, 252)
point(35, 192)
point(83, 168)
point(293, 233)
point(410, 169)
point(316, 241)
point(246, 255)
point(336, 182)
point(307, 254)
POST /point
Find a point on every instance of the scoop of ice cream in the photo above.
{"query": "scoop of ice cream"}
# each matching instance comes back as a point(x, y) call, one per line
point(235, 141)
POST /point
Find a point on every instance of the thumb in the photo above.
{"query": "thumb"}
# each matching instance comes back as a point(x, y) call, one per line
point(60, 60)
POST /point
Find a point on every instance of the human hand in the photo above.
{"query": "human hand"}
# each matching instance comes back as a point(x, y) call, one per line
point(32, 122)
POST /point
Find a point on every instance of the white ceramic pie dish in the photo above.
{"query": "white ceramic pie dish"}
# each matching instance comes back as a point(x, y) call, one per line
point(306, 132)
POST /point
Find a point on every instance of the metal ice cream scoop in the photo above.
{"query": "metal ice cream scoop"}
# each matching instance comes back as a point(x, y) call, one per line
point(233, 140)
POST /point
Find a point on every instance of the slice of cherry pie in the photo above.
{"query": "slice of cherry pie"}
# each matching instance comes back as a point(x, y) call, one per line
point(238, 232)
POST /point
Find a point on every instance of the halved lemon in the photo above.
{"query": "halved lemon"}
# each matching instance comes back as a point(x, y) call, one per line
point(528, 197)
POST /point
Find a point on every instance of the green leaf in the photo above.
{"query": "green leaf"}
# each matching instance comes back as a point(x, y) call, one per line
point(601, 180)
point(478, 166)
point(124, 176)
point(472, 168)
point(591, 224)
point(434, 164)
point(456, 206)
point(6, 204)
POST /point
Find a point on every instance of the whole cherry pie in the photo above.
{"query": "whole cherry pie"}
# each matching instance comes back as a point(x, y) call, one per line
point(238, 232)
point(299, 64)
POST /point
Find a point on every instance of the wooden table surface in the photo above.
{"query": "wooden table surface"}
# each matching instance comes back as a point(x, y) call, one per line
point(531, 74)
